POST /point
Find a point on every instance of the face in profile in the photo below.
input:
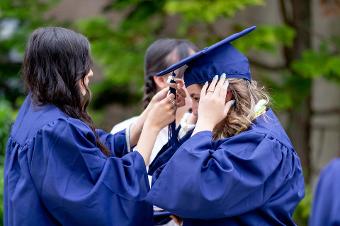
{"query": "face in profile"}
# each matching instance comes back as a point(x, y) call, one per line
point(85, 85)
point(194, 91)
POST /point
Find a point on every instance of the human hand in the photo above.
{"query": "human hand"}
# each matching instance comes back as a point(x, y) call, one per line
point(180, 94)
point(212, 106)
point(162, 113)
point(160, 95)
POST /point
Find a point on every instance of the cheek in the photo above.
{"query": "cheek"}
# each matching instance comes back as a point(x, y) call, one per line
point(194, 107)
point(82, 88)
point(87, 80)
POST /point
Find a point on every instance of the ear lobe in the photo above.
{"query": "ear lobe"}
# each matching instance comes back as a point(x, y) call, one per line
point(160, 81)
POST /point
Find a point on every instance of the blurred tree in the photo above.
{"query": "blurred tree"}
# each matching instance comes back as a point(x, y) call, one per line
point(6, 117)
point(142, 22)
point(119, 48)
point(292, 92)
point(17, 20)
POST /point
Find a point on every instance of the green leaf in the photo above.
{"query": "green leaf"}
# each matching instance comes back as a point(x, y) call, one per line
point(268, 38)
point(208, 11)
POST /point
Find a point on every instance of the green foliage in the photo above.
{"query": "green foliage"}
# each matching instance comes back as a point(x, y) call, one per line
point(7, 115)
point(1, 194)
point(119, 49)
point(293, 79)
point(119, 54)
point(317, 63)
point(267, 38)
point(302, 211)
point(25, 15)
point(28, 14)
point(208, 11)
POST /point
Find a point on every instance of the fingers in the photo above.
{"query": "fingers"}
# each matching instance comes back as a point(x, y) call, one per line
point(179, 82)
point(204, 89)
point(171, 98)
point(224, 89)
point(173, 85)
point(219, 85)
point(179, 86)
point(162, 94)
point(180, 102)
point(181, 93)
point(171, 102)
point(227, 106)
point(212, 85)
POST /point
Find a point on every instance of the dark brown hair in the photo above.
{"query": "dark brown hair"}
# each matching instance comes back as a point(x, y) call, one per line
point(157, 59)
point(56, 59)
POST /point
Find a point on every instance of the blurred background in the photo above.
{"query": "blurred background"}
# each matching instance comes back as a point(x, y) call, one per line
point(294, 52)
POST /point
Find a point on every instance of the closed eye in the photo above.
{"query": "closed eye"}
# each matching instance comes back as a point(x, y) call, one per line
point(197, 99)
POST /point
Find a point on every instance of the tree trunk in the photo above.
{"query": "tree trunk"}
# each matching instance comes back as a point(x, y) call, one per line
point(300, 116)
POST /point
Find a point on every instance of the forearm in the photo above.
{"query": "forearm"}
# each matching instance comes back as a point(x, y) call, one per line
point(147, 141)
point(136, 128)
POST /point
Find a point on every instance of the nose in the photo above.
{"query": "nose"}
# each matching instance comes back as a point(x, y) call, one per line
point(195, 108)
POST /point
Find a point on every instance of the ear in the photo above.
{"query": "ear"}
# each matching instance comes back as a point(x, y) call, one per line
point(82, 87)
point(229, 96)
point(161, 81)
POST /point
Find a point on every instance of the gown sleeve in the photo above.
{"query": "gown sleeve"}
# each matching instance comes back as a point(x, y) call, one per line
point(326, 204)
point(166, 152)
point(205, 181)
point(77, 183)
point(116, 143)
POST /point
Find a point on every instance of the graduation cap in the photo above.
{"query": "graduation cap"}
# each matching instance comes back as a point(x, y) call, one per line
point(219, 58)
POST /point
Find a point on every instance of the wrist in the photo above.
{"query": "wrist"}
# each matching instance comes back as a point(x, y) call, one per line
point(204, 125)
point(152, 127)
point(147, 110)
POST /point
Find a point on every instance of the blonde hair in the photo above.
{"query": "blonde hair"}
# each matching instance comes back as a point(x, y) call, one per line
point(240, 116)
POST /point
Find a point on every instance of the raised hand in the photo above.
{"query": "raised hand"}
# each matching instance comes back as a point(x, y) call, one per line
point(162, 113)
point(212, 106)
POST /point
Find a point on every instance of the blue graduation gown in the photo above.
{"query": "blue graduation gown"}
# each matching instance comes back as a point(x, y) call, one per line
point(56, 175)
point(326, 204)
point(253, 178)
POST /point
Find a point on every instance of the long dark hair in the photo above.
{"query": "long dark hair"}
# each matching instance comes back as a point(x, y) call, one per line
point(56, 59)
point(157, 58)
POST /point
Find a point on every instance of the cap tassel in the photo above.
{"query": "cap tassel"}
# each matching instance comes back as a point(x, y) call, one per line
point(172, 133)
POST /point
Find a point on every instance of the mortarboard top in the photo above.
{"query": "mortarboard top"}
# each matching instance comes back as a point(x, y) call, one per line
point(219, 58)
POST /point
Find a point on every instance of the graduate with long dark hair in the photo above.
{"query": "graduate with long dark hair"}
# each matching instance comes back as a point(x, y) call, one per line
point(238, 166)
point(61, 170)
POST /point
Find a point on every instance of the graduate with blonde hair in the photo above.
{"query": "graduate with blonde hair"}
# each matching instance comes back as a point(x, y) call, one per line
point(238, 166)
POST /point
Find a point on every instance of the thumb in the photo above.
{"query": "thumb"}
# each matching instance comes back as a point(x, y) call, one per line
point(161, 94)
point(228, 106)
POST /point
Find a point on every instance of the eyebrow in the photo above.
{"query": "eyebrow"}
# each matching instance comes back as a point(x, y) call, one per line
point(195, 95)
